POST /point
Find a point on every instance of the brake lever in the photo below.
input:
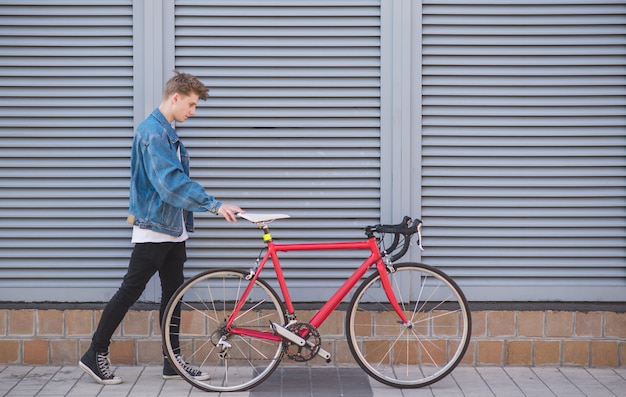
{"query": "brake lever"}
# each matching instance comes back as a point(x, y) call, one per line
point(419, 236)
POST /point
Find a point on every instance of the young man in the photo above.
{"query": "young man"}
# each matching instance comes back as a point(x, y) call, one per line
point(162, 201)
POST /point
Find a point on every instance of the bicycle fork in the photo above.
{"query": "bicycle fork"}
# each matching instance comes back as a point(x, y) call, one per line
point(384, 279)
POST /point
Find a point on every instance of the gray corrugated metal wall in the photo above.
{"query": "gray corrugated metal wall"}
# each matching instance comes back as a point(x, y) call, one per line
point(524, 152)
point(66, 110)
point(516, 160)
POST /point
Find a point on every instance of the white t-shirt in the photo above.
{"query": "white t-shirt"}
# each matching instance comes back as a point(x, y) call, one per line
point(150, 236)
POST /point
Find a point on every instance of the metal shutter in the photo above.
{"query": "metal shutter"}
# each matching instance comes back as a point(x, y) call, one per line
point(524, 166)
point(66, 122)
point(292, 125)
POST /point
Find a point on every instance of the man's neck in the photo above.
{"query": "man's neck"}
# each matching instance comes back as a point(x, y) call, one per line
point(167, 112)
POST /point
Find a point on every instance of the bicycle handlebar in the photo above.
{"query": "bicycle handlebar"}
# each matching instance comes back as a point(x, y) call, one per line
point(404, 229)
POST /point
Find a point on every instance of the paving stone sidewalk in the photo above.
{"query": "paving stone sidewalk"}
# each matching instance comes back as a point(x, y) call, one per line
point(287, 381)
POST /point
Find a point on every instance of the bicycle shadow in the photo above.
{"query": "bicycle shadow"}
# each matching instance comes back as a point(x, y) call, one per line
point(315, 381)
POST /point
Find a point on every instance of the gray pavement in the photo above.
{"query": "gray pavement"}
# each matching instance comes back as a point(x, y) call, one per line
point(145, 381)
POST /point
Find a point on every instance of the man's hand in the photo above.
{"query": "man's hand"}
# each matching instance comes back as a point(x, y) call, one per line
point(229, 211)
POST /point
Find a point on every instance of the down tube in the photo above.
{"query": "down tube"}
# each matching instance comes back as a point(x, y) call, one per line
point(341, 293)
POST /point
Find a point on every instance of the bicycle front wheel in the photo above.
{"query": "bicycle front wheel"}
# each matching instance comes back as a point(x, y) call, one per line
point(424, 350)
point(194, 326)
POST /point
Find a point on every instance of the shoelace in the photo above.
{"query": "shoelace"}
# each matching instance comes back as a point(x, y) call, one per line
point(188, 368)
point(104, 365)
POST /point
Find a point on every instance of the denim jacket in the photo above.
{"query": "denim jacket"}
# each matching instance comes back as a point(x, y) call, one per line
point(161, 192)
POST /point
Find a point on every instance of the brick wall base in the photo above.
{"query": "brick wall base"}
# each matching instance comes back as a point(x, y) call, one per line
point(499, 337)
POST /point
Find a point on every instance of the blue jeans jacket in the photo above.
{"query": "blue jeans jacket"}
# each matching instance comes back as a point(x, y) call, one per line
point(161, 192)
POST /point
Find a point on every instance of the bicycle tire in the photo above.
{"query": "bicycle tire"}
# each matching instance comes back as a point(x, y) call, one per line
point(205, 302)
point(419, 354)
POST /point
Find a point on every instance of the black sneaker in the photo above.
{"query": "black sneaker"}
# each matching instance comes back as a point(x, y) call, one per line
point(170, 373)
point(98, 366)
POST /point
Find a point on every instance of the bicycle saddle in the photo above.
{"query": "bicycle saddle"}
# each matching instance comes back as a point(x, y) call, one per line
point(257, 218)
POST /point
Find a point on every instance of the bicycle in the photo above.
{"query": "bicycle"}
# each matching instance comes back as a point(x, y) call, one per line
point(407, 325)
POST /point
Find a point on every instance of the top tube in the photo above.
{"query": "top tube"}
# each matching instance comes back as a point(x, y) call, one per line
point(402, 232)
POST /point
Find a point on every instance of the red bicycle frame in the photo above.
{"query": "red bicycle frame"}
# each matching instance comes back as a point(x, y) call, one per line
point(334, 301)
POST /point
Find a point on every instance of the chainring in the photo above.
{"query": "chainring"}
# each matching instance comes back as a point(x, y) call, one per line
point(303, 353)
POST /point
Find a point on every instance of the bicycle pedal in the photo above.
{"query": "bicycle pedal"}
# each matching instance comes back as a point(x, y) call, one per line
point(324, 354)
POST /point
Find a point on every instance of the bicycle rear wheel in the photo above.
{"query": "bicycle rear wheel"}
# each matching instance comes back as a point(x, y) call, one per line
point(421, 352)
point(201, 306)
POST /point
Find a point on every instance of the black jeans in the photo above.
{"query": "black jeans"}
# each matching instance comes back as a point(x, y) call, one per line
point(146, 260)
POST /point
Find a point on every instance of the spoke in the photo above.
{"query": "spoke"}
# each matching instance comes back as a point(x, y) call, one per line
point(419, 296)
point(195, 309)
point(198, 299)
point(425, 301)
point(442, 302)
point(408, 350)
point(424, 349)
point(226, 371)
point(243, 354)
point(395, 341)
point(251, 309)
point(447, 313)
point(399, 292)
point(253, 347)
point(382, 359)
point(431, 317)
point(268, 315)
point(258, 351)
point(420, 310)
point(198, 349)
point(210, 291)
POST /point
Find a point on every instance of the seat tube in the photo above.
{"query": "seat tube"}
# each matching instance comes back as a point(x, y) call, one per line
point(272, 253)
point(281, 282)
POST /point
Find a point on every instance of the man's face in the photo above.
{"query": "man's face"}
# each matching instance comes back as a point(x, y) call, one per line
point(184, 106)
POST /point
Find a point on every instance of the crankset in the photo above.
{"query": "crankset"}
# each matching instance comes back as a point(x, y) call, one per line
point(311, 347)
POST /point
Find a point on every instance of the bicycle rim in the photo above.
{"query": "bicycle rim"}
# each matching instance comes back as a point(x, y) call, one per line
point(233, 362)
point(415, 354)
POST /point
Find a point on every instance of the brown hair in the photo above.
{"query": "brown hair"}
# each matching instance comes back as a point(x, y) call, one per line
point(185, 84)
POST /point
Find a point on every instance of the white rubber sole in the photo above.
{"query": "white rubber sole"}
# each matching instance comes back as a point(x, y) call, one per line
point(175, 377)
point(115, 381)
